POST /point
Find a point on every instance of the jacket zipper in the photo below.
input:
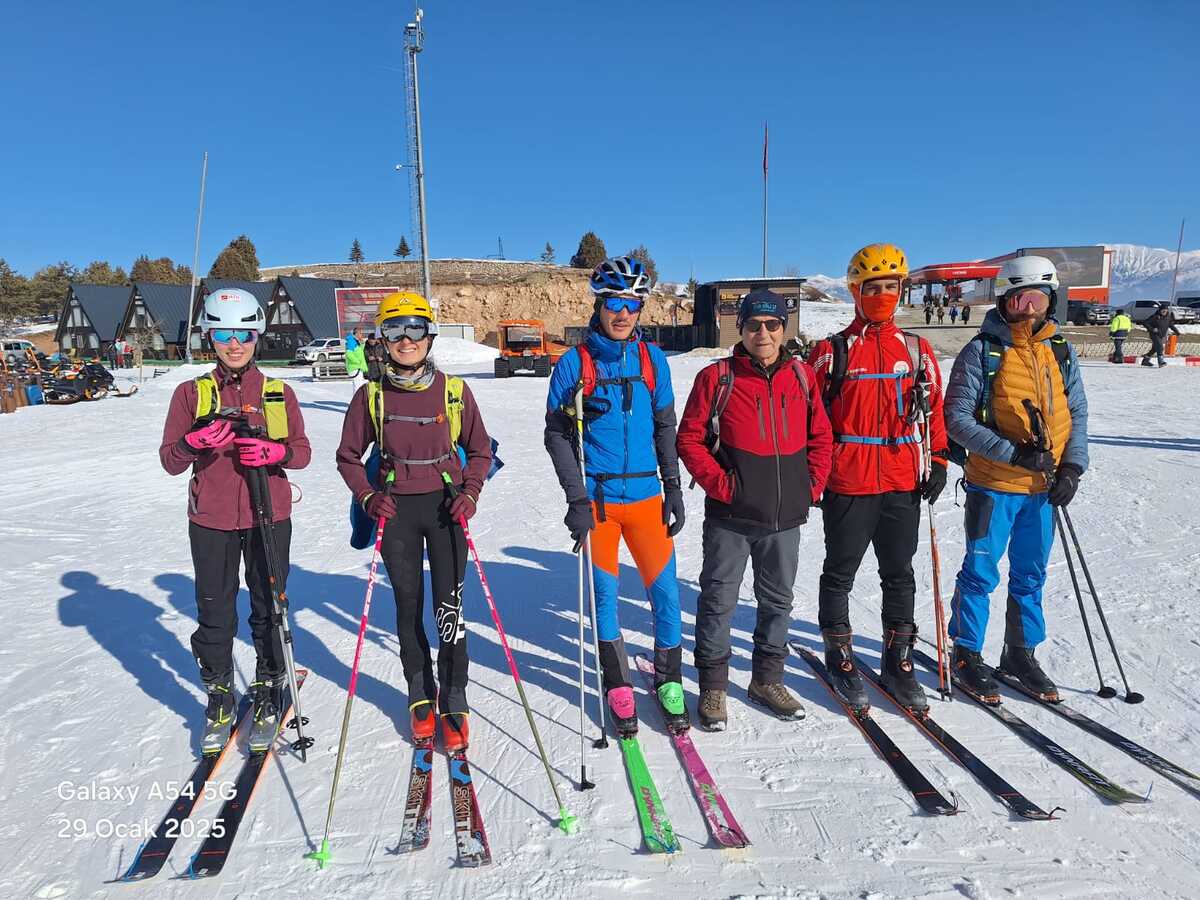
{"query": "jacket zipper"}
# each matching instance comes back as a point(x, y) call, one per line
point(762, 426)
point(775, 442)
point(625, 423)
point(783, 413)
point(880, 396)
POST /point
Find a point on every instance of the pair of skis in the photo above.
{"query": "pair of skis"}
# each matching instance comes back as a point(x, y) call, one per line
point(416, 825)
point(214, 850)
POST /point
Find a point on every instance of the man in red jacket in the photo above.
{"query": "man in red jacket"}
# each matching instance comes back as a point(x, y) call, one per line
point(755, 436)
point(865, 375)
point(199, 435)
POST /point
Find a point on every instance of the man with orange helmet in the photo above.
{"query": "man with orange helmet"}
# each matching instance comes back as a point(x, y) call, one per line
point(880, 386)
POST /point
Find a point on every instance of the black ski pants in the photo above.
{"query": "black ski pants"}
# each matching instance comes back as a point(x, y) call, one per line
point(216, 557)
point(775, 556)
point(422, 525)
point(888, 522)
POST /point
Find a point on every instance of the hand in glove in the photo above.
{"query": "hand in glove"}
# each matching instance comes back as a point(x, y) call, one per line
point(260, 452)
point(1066, 483)
point(673, 515)
point(934, 483)
point(462, 507)
point(379, 505)
point(213, 436)
point(579, 519)
point(1029, 457)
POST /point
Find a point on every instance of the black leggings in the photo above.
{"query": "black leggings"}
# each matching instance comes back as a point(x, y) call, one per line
point(216, 556)
point(421, 525)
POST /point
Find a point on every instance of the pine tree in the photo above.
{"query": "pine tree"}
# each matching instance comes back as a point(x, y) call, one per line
point(155, 271)
point(356, 254)
point(591, 252)
point(402, 249)
point(15, 301)
point(239, 260)
point(548, 253)
point(640, 252)
point(101, 272)
point(692, 285)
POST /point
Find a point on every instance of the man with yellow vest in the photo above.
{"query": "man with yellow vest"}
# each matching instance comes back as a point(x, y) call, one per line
point(199, 435)
point(1016, 403)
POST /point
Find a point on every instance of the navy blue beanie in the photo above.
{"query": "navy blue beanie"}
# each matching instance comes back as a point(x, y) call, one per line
point(762, 302)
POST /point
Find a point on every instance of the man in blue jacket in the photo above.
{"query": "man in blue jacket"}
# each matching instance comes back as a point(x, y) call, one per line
point(629, 440)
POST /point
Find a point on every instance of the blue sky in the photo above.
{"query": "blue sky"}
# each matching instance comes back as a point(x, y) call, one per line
point(953, 131)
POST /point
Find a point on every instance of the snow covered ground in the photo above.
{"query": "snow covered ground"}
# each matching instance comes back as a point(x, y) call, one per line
point(99, 690)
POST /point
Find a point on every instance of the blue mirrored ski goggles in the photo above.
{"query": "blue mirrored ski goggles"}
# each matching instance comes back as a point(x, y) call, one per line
point(225, 335)
point(616, 304)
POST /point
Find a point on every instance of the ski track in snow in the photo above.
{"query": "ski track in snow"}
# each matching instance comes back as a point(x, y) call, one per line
point(98, 685)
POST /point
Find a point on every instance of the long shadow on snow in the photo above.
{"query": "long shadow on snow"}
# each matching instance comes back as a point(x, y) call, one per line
point(130, 628)
point(1152, 443)
point(337, 406)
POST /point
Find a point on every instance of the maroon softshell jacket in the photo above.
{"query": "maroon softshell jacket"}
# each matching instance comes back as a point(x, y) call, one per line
point(218, 496)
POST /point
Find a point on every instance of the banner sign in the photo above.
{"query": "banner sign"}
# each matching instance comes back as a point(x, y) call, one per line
point(356, 308)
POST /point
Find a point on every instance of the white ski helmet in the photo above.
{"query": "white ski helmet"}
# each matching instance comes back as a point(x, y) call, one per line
point(1025, 271)
point(232, 308)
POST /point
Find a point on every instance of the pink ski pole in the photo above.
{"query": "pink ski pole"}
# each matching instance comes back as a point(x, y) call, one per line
point(567, 822)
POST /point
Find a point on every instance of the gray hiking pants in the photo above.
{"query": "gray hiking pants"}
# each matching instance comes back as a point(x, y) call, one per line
point(775, 556)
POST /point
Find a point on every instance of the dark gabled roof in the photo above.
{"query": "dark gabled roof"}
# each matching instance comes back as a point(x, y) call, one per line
point(168, 306)
point(262, 290)
point(104, 305)
point(313, 298)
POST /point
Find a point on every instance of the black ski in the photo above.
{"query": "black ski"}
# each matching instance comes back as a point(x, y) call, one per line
point(1103, 786)
point(984, 774)
point(927, 796)
point(214, 851)
point(1181, 776)
point(152, 855)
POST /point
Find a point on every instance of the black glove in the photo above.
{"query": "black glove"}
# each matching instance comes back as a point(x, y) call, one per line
point(673, 512)
point(935, 483)
point(1066, 483)
point(1029, 457)
point(579, 519)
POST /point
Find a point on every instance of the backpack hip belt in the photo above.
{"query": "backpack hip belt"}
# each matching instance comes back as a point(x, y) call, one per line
point(601, 477)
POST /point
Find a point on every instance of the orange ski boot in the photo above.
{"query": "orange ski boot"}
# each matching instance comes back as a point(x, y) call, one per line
point(455, 733)
point(424, 720)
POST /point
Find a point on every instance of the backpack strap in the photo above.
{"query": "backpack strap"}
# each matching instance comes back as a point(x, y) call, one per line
point(991, 351)
point(1062, 355)
point(454, 407)
point(837, 368)
point(587, 370)
point(208, 395)
point(724, 390)
point(797, 365)
point(274, 409)
point(648, 373)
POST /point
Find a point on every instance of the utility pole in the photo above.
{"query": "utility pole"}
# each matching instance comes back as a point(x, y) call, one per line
point(1178, 252)
point(195, 262)
point(414, 40)
point(764, 265)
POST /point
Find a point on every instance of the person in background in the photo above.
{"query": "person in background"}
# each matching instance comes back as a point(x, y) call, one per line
point(941, 312)
point(1118, 331)
point(966, 313)
point(356, 362)
point(754, 479)
point(953, 313)
point(928, 312)
point(1158, 326)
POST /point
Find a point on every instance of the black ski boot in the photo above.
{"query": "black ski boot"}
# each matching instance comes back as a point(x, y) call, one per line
point(839, 660)
point(897, 674)
point(218, 718)
point(973, 676)
point(264, 718)
point(1020, 663)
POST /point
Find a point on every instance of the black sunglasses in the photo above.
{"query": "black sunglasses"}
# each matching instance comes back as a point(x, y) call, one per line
point(754, 325)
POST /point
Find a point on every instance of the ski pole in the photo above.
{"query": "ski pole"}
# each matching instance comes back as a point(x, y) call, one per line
point(939, 610)
point(1130, 696)
point(601, 742)
point(323, 855)
point(260, 496)
point(1105, 691)
point(567, 822)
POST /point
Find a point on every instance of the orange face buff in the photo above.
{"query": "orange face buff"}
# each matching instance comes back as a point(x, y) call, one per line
point(878, 308)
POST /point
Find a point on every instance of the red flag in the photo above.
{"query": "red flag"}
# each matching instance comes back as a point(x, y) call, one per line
point(764, 149)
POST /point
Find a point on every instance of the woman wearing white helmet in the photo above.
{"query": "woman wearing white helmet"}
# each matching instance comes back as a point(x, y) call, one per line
point(200, 434)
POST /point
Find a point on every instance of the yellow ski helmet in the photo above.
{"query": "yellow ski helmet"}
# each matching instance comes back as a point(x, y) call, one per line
point(402, 304)
point(876, 261)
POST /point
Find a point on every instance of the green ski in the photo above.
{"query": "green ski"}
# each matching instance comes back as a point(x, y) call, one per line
point(657, 832)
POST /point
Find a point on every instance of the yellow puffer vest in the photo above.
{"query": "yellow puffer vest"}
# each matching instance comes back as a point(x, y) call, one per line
point(1028, 371)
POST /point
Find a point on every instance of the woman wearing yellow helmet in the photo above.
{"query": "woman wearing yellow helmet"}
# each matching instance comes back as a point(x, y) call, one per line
point(423, 423)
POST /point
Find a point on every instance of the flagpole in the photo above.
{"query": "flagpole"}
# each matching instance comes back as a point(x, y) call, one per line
point(764, 236)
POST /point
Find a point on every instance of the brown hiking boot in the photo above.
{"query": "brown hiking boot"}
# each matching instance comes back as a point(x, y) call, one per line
point(713, 716)
point(776, 698)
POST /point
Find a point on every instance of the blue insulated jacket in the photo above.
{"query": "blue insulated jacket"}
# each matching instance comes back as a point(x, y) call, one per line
point(617, 441)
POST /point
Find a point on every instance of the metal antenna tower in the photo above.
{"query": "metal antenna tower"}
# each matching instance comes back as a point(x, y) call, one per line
point(414, 40)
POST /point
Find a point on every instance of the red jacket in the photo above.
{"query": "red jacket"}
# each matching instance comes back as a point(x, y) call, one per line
point(775, 450)
point(218, 496)
point(867, 407)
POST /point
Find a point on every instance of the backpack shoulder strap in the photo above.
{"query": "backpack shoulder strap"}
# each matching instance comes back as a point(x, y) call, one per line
point(838, 366)
point(587, 370)
point(1062, 355)
point(724, 390)
point(274, 409)
point(798, 367)
point(647, 362)
point(454, 407)
point(208, 395)
point(375, 409)
point(913, 343)
point(991, 351)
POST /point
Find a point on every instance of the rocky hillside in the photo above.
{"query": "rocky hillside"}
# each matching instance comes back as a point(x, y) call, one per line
point(483, 292)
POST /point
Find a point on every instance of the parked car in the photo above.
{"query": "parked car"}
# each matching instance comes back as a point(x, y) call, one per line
point(321, 350)
point(1080, 312)
point(15, 350)
point(1187, 312)
point(1141, 310)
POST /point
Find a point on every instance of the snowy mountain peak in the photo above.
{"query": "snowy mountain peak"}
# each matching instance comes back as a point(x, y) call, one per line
point(1145, 272)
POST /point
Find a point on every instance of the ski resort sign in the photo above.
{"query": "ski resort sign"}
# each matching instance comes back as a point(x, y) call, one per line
point(356, 307)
